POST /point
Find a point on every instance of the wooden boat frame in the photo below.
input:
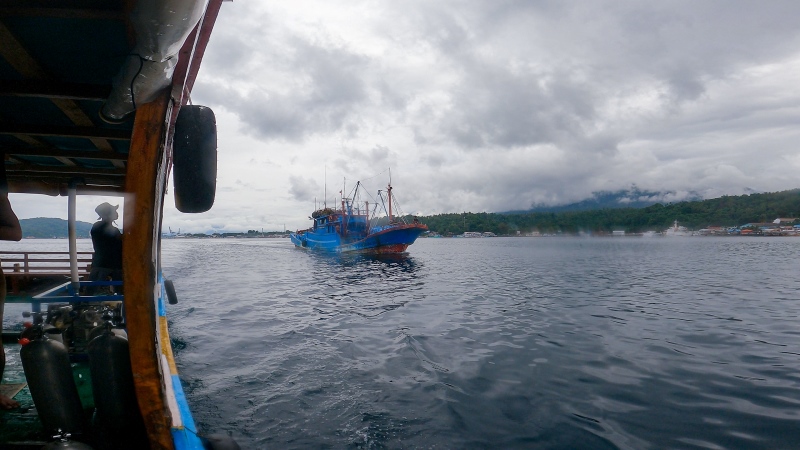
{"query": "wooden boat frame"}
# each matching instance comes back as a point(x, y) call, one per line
point(58, 145)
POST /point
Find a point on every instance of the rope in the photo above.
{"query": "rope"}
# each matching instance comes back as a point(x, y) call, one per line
point(133, 80)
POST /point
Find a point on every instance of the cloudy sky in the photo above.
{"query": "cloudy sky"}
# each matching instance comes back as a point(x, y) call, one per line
point(495, 105)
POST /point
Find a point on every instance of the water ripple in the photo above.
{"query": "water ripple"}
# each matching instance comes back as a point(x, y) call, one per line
point(492, 343)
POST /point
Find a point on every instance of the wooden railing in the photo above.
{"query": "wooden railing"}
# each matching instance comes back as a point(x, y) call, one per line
point(42, 263)
point(27, 273)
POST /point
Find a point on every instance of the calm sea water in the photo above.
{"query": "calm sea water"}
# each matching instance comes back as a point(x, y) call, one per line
point(493, 343)
point(551, 343)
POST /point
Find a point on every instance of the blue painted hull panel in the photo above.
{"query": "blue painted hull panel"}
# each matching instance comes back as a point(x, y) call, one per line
point(389, 239)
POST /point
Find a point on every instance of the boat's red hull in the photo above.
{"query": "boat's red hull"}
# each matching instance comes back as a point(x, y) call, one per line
point(384, 249)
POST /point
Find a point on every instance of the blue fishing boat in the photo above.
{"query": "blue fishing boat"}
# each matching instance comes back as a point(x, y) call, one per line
point(352, 229)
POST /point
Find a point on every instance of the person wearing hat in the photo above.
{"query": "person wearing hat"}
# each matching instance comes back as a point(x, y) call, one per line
point(10, 230)
point(107, 242)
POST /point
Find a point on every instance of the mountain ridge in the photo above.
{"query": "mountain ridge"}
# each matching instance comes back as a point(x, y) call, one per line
point(727, 211)
point(52, 228)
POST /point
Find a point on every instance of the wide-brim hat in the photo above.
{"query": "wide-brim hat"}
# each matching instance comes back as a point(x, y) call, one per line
point(105, 209)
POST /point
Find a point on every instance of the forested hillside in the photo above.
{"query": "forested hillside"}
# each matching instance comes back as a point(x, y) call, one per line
point(724, 211)
point(48, 228)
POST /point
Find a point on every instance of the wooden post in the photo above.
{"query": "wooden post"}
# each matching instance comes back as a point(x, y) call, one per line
point(15, 281)
point(73, 244)
point(144, 189)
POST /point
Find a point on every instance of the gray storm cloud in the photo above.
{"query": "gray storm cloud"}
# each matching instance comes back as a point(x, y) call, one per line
point(491, 106)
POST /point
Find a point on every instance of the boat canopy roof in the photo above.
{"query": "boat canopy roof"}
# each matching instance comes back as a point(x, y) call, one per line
point(58, 63)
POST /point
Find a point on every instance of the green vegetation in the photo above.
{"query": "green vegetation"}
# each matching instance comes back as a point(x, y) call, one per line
point(48, 228)
point(724, 211)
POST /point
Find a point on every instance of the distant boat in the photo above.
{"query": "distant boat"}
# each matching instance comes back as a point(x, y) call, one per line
point(676, 230)
point(351, 229)
point(172, 234)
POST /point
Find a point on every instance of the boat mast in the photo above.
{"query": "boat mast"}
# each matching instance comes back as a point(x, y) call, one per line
point(389, 194)
point(343, 227)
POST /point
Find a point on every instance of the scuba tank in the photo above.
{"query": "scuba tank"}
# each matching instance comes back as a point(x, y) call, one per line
point(114, 316)
point(49, 374)
point(117, 421)
point(56, 334)
point(100, 329)
point(63, 442)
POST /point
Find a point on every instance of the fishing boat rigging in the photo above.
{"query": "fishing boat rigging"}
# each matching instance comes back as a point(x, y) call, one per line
point(352, 229)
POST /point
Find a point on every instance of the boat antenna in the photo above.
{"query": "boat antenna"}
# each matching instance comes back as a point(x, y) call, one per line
point(326, 190)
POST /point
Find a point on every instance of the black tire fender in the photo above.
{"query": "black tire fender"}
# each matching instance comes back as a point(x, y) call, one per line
point(172, 297)
point(220, 442)
point(194, 156)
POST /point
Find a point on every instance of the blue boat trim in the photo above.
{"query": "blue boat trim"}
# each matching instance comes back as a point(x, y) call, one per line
point(161, 307)
point(184, 436)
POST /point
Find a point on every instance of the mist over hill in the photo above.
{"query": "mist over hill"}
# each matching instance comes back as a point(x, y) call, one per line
point(624, 198)
point(50, 228)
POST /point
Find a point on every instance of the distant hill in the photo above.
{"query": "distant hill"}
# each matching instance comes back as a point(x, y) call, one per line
point(624, 198)
point(726, 211)
point(49, 228)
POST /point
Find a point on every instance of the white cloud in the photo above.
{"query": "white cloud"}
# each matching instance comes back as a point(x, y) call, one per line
point(492, 106)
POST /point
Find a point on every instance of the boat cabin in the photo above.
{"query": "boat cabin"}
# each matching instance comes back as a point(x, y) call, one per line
point(95, 99)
